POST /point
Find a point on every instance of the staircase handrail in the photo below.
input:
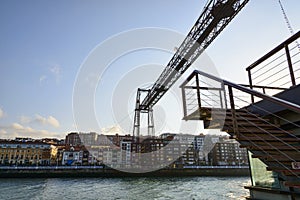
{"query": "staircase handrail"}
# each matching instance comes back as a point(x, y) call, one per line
point(286, 104)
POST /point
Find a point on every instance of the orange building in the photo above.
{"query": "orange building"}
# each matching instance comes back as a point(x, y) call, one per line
point(27, 153)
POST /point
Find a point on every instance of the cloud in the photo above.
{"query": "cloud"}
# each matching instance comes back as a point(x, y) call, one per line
point(25, 119)
point(50, 120)
point(17, 130)
point(42, 79)
point(17, 126)
point(1, 113)
point(113, 130)
point(56, 71)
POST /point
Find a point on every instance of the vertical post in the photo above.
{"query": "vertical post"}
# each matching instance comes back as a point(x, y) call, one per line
point(184, 101)
point(249, 155)
point(250, 83)
point(150, 123)
point(288, 56)
point(224, 91)
point(136, 126)
point(198, 92)
point(221, 99)
point(234, 120)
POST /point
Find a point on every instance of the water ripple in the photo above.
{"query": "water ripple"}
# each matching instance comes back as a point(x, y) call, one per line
point(202, 188)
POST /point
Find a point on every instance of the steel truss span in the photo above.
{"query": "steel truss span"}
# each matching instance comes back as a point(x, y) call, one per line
point(214, 18)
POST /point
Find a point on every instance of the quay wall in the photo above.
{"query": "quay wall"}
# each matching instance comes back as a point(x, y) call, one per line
point(103, 172)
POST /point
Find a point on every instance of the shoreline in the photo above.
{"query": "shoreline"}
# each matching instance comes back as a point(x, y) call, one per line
point(112, 173)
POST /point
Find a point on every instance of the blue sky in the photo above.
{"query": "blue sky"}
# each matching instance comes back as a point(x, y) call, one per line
point(44, 43)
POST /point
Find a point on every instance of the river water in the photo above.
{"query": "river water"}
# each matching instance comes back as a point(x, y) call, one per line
point(209, 188)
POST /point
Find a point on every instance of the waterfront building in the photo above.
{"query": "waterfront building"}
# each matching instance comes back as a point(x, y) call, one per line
point(167, 136)
point(73, 139)
point(88, 139)
point(172, 151)
point(86, 157)
point(198, 145)
point(152, 148)
point(53, 141)
point(190, 156)
point(228, 153)
point(94, 139)
point(72, 156)
point(27, 153)
point(96, 155)
point(112, 156)
point(104, 140)
point(59, 154)
point(21, 139)
point(198, 142)
point(116, 139)
point(126, 152)
point(175, 150)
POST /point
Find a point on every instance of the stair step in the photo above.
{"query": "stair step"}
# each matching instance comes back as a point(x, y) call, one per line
point(213, 124)
point(225, 122)
point(243, 137)
point(239, 116)
point(295, 184)
point(206, 112)
point(291, 172)
point(229, 120)
point(274, 163)
point(251, 120)
point(279, 169)
point(277, 148)
point(228, 114)
point(288, 171)
point(279, 155)
point(279, 158)
point(247, 125)
point(256, 130)
point(270, 148)
point(263, 135)
point(272, 144)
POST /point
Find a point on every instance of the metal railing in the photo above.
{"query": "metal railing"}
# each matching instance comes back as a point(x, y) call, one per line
point(49, 167)
point(278, 69)
point(205, 90)
point(233, 97)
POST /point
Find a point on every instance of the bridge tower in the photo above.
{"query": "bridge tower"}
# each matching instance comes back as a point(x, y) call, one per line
point(139, 110)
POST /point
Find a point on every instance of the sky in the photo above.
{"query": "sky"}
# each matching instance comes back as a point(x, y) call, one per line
point(45, 44)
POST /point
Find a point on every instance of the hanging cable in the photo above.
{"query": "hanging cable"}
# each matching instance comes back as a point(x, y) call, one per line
point(287, 22)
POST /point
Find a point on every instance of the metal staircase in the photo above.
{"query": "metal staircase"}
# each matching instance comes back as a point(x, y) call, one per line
point(263, 117)
point(220, 105)
point(278, 149)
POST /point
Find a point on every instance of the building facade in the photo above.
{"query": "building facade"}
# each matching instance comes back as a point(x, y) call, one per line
point(228, 153)
point(72, 156)
point(27, 153)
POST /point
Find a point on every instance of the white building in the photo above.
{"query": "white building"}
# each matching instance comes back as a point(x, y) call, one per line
point(72, 157)
point(126, 152)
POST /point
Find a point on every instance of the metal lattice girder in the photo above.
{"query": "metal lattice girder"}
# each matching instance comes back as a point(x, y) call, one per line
point(214, 18)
